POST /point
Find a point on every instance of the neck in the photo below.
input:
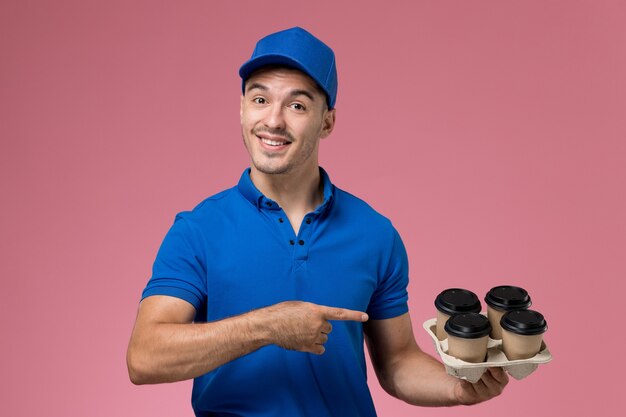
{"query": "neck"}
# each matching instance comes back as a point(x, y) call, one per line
point(294, 192)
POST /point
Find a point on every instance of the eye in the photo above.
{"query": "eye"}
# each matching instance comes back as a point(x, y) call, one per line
point(297, 106)
point(259, 100)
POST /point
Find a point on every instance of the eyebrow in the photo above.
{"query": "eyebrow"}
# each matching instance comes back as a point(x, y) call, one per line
point(305, 93)
point(292, 93)
point(257, 86)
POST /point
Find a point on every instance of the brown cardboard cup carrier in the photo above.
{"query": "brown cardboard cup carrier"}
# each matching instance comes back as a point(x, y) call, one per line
point(518, 369)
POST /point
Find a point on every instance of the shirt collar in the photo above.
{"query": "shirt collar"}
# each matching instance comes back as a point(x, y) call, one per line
point(247, 188)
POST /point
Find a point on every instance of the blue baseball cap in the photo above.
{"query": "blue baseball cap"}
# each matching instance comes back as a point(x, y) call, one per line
point(296, 48)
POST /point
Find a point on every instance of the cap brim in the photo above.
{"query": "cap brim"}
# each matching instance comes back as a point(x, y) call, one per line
point(264, 60)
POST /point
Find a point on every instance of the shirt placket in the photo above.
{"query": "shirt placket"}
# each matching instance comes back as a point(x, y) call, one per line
point(302, 243)
point(297, 244)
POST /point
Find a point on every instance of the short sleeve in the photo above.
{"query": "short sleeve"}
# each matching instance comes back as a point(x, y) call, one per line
point(390, 299)
point(180, 268)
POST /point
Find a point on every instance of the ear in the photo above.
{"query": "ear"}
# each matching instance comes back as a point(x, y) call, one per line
point(241, 108)
point(329, 123)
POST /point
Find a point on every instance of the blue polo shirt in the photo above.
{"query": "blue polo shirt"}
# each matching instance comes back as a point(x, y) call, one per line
point(236, 251)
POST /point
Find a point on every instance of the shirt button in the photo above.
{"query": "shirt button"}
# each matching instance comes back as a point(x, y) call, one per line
point(291, 242)
point(301, 242)
point(280, 220)
point(308, 220)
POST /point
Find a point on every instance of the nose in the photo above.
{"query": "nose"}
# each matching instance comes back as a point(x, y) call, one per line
point(274, 118)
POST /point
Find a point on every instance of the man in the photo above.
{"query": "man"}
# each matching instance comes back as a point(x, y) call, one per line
point(247, 288)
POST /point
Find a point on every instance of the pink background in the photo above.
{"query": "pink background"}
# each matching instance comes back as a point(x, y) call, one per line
point(493, 134)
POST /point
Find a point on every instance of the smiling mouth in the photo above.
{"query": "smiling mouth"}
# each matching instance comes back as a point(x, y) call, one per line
point(274, 142)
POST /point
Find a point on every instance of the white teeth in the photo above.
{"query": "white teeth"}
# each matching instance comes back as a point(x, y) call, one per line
point(273, 142)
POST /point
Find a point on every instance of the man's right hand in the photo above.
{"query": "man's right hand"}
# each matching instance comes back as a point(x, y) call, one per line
point(302, 326)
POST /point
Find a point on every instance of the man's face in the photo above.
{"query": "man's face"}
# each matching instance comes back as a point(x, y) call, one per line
point(283, 117)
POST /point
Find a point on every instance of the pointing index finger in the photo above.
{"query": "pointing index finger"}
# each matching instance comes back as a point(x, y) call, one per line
point(335, 313)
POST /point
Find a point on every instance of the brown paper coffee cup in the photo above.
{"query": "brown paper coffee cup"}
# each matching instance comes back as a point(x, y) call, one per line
point(522, 333)
point(501, 299)
point(454, 301)
point(468, 335)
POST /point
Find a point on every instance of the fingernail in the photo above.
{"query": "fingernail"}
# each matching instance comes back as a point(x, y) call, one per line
point(364, 317)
